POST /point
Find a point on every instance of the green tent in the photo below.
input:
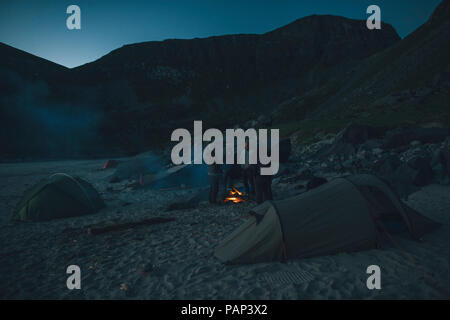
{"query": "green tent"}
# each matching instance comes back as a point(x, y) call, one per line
point(343, 215)
point(59, 196)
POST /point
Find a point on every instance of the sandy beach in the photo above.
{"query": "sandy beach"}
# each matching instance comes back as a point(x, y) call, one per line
point(175, 260)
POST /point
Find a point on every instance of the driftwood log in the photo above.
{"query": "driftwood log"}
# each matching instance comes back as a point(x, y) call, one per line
point(128, 225)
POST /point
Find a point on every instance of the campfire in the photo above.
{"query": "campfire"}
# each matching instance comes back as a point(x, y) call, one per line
point(235, 196)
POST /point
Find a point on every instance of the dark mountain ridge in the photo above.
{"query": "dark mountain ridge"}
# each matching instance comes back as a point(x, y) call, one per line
point(140, 92)
point(28, 65)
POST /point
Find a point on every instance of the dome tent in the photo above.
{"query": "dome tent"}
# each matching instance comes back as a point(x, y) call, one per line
point(58, 196)
point(343, 215)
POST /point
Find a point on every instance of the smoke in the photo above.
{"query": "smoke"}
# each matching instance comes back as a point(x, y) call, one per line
point(35, 124)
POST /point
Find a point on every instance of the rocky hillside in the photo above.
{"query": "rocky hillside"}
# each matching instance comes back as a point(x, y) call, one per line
point(407, 84)
point(223, 80)
point(140, 92)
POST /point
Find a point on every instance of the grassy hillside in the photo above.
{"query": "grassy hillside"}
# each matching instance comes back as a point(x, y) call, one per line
point(407, 84)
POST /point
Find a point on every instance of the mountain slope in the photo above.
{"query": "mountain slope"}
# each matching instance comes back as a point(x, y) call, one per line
point(139, 93)
point(27, 65)
point(406, 84)
point(224, 80)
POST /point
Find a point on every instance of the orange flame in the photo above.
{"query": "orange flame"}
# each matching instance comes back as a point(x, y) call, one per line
point(235, 196)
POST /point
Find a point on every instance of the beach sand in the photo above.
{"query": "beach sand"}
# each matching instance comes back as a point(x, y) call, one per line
point(175, 260)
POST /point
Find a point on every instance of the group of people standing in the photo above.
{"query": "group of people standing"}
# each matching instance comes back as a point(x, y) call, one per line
point(257, 186)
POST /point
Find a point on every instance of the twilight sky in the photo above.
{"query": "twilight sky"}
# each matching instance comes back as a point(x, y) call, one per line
point(39, 26)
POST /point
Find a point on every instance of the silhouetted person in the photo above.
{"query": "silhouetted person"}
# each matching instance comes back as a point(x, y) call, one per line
point(263, 184)
point(215, 175)
point(248, 171)
point(231, 172)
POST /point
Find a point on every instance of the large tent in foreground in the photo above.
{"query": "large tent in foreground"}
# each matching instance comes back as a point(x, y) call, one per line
point(343, 215)
point(58, 196)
